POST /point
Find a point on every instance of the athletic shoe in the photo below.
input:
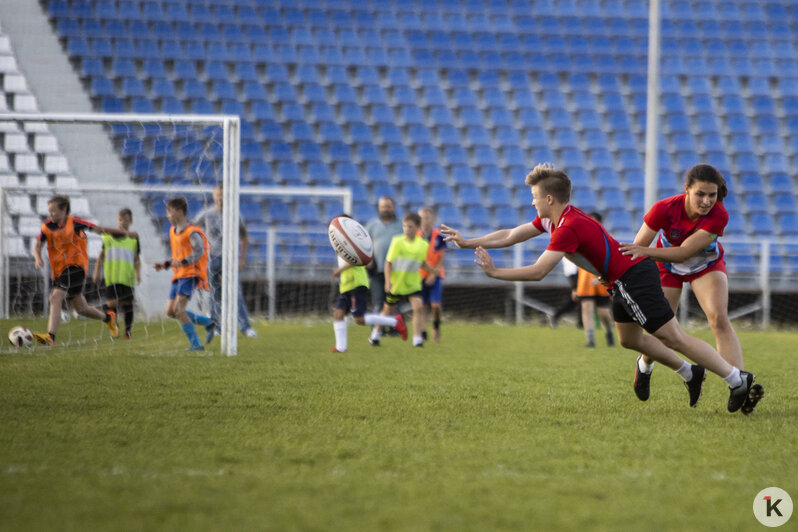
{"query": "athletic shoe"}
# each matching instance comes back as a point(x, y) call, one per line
point(590, 343)
point(111, 324)
point(400, 326)
point(250, 333)
point(196, 348)
point(739, 394)
point(374, 341)
point(642, 383)
point(44, 338)
point(210, 332)
point(335, 350)
point(696, 384)
point(757, 392)
point(127, 335)
point(419, 345)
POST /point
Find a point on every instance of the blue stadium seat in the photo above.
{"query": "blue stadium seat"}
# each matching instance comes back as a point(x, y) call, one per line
point(762, 223)
point(360, 133)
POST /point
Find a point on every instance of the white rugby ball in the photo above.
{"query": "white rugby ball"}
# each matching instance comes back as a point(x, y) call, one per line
point(351, 241)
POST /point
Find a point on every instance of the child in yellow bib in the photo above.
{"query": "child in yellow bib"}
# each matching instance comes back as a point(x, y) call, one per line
point(353, 289)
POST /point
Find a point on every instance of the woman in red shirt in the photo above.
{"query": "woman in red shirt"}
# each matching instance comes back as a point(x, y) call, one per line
point(687, 227)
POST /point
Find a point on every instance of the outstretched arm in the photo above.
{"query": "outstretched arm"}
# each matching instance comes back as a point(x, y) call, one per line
point(498, 239)
point(690, 247)
point(535, 272)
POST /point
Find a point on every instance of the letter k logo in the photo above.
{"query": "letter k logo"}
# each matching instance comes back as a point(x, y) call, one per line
point(772, 506)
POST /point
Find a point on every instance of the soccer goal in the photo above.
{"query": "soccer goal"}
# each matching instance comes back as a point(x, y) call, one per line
point(104, 163)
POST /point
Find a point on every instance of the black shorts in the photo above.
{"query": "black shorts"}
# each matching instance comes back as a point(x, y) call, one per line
point(393, 299)
point(71, 281)
point(637, 297)
point(120, 292)
point(354, 301)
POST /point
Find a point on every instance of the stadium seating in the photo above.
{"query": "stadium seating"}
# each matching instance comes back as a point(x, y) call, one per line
point(328, 90)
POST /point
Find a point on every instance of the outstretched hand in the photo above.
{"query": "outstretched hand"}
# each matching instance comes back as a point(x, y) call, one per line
point(484, 261)
point(452, 235)
point(633, 250)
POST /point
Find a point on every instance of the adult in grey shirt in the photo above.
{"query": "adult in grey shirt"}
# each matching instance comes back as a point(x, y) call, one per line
point(382, 229)
point(210, 219)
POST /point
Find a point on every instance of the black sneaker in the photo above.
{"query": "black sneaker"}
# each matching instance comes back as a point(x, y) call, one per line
point(739, 394)
point(757, 392)
point(210, 332)
point(642, 382)
point(374, 342)
point(695, 384)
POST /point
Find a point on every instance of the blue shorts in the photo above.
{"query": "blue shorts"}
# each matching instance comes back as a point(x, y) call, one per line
point(354, 301)
point(432, 294)
point(183, 287)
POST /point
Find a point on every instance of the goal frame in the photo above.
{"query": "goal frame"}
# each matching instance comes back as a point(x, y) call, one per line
point(231, 157)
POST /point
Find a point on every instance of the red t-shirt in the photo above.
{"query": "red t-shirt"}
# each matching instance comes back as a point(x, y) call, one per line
point(586, 243)
point(670, 217)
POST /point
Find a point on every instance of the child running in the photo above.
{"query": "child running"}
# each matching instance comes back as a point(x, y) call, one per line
point(120, 262)
point(189, 262)
point(65, 237)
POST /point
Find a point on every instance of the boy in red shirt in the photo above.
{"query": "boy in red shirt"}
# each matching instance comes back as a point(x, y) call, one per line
point(638, 304)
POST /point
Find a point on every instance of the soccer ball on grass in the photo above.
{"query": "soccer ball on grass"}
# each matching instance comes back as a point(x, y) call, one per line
point(20, 337)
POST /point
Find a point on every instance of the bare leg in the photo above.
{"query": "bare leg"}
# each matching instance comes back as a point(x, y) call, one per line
point(84, 309)
point(588, 308)
point(712, 292)
point(700, 352)
point(57, 297)
point(419, 317)
point(633, 337)
point(672, 295)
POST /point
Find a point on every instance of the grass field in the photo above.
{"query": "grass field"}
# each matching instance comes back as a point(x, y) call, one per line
point(496, 428)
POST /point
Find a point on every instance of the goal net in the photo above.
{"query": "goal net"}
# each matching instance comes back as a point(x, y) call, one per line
point(103, 164)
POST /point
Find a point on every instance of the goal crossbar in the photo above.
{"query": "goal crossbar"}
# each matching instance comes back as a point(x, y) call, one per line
point(231, 129)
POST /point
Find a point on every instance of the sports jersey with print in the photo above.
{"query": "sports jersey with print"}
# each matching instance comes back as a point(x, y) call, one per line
point(669, 217)
point(586, 243)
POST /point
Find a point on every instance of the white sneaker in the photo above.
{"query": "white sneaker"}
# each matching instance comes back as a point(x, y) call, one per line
point(251, 333)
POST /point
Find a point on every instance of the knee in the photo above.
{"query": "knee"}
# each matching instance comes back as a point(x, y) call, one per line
point(718, 322)
point(360, 320)
point(628, 343)
point(673, 342)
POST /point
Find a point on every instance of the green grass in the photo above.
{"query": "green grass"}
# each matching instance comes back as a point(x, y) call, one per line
point(496, 428)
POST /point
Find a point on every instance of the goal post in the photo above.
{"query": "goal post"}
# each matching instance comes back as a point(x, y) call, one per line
point(230, 168)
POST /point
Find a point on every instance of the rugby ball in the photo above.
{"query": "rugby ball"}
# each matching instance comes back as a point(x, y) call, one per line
point(351, 241)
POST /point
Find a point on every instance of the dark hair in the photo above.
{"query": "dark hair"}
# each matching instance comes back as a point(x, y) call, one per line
point(412, 217)
point(551, 181)
point(596, 216)
point(707, 174)
point(126, 212)
point(62, 202)
point(178, 204)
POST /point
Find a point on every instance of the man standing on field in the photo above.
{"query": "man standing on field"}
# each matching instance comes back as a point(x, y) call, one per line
point(210, 220)
point(382, 230)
